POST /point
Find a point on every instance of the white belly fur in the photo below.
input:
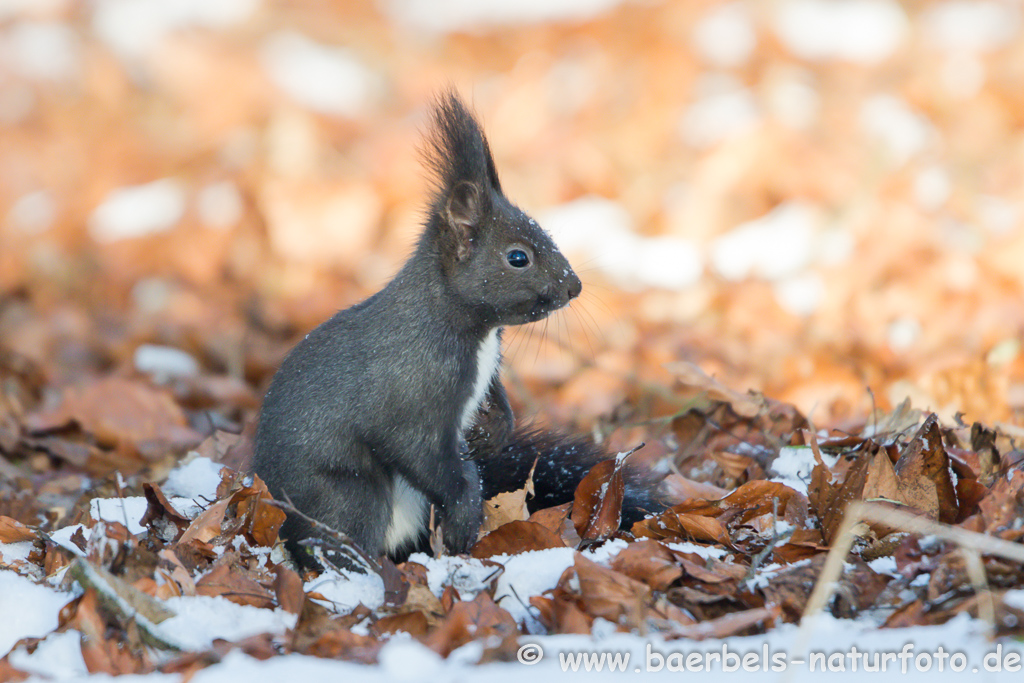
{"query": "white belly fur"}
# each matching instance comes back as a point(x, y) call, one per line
point(409, 507)
point(488, 358)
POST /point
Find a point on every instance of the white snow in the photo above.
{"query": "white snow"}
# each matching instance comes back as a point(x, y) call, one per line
point(196, 478)
point(33, 213)
point(884, 565)
point(62, 537)
point(996, 214)
point(326, 79)
point(467, 575)
point(528, 575)
point(41, 51)
point(777, 245)
point(971, 25)
point(864, 31)
point(800, 294)
point(164, 362)
point(15, 552)
point(902, 333)
point(406, 659)
point(129, 510)
point(889, 120)
point(199, 619)
point(58, 657)
point(10, 9)
point(138, 210)
point(133, 27)
point(445, 16)
point(724, 109)
point(219, 205)
point(725, 36)
point(600, 231)
point(793, 99)
point(932, 187)
point(347, 590)
point(36, 608)
point(794, 464)
point(706, 551)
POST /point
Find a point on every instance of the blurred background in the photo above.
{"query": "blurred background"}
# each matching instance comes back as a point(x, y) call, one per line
point(821, 200)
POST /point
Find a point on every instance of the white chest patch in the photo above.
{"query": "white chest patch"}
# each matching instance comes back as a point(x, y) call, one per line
point(408, 515)
point(488, 358)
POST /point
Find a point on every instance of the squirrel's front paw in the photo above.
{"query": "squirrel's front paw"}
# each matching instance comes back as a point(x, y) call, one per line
point(461, 525)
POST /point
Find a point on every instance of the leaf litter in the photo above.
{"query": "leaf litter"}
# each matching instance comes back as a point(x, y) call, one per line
point(742, 561)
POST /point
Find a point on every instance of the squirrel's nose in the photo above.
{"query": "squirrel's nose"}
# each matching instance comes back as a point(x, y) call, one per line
point(575, 286)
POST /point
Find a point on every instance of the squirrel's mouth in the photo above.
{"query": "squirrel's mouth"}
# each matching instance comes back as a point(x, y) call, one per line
point(543, 307)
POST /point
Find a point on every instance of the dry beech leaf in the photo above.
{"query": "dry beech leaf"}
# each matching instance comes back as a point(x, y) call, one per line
point(682, 526)
point(226, 580)
point(690, 374)
point(516, 537)
point(413, 623)
point(160, 511)
point(117, 410)
point(606, 593)
point(207, 525)
point(735, 623)
point(923, 473)
point(504, 508)
point(649, 562)
point(480, 618)
point(13, 531)
point(597, 505)
point(260, 520)
point(557, 519)
point(288, 589)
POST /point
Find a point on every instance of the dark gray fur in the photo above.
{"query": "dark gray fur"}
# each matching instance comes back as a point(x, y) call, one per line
point(377, 391)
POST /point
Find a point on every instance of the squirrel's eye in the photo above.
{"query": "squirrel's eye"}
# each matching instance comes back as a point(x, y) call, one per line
point(517, 258)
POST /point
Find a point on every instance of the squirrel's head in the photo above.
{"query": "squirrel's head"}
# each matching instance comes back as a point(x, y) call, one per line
point(496, 258)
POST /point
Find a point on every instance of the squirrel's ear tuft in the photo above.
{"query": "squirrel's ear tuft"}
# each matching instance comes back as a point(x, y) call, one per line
point(462, 214)
point(456, 149)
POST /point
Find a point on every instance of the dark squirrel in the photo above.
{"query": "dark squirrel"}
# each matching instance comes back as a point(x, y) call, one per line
point(396, 404)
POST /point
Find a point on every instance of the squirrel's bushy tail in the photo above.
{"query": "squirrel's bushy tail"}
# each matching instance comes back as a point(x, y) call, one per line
point(562, 462)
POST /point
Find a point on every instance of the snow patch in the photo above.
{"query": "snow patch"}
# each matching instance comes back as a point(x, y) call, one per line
point(58, 656)
point(33, 213)
point(130, 510)
point(775, 246)
point(446, 16)
point(864, 31)
point(199, 619)
point(36, 608)
point(328, 80)
point(800, 294)
point(41, 51)
point(724, 110)
point(15, 552)
point(725, 36)
point(794, 464)
point(138, 210)
point(133, 27)
point(971, 25)
point(793, 100)
point(197, 478)
point(219, 205)
point(164, 362)
point(345, 590)
point(932, 187)
point(601, 231)
point(527, 575)
point(889, 120)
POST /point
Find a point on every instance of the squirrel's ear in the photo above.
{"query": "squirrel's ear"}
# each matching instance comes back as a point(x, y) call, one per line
point(463, 216)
